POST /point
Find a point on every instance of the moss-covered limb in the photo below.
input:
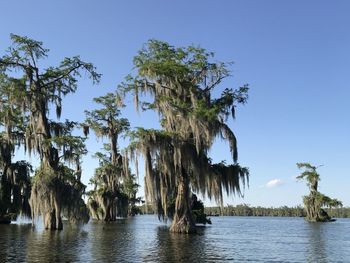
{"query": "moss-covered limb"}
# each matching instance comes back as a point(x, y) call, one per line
point(315, 201)
point(20, 181)
point(15, 184)
point(56, 193)
point(14, 177)
point(181, 83)
point(104, 198)
point(57, 190)
point(129, 191)
point(108, 201)
point(206, 178)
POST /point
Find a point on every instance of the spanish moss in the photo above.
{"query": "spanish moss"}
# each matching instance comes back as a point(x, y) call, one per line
point(181, 82)
point(37, 91)
point(107, 200)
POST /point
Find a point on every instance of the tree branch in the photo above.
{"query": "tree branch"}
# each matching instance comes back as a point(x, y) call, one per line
point(63, 75)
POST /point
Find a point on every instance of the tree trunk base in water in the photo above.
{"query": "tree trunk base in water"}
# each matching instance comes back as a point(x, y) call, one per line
point(321, 216)
point(110, 219)
point(5, 220)
point(183, 221)
point(184, 226)
point(320, 220)
point(50, 222)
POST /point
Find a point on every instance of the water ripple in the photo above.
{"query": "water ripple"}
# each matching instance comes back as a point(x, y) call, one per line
point(145, 239)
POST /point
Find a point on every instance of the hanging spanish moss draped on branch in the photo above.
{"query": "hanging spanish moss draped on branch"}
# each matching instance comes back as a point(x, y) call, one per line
point(182, 83)
point(35, 92)
point(15, 182)
point(108, 199)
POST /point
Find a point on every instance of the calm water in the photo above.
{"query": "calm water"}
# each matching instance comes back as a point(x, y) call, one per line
point(144, 239)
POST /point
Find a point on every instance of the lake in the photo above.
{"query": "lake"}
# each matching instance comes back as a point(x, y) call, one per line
point(145, 239)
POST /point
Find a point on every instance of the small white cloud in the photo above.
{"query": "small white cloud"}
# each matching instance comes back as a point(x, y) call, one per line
point(274, 183)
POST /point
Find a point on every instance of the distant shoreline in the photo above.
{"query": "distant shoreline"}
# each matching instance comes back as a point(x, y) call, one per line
point(283, 211)
point(247, 210)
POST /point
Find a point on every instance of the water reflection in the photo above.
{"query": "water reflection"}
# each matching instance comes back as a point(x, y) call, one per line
point(112, 242)
point(10, 244)
point(316, 250)
point(144, 239)
point(55, 246)
point(170, 247)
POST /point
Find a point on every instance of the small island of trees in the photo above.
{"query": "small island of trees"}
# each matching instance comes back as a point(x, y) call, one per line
point(315, 201)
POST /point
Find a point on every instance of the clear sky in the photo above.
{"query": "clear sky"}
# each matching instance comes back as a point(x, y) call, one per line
point(294, 54)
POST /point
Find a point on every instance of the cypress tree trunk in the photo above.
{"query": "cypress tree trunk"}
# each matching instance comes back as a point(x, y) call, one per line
point(183, 221)
point(311, 209)
point(109, 214)
point(5, 199)
point(49, 155)
point(52, 211)
point(114, 210)
point(58, 218)
point(5, 191)
point(314, 212)
point(53, 220)
point(113, 143)
point(5, 185)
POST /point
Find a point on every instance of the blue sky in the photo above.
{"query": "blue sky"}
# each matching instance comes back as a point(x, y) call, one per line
point(293, 54)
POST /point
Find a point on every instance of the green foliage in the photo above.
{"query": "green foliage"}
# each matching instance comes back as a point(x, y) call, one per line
point(247, 210)
point(198, 213)
point(53, 83)
point(109, 197)
point(315, 201)
point(309, 173)
point(105, 122)
point(130, 186)
point(28, 92)
point(15, 184)
point(63, 182)
point(181, 83)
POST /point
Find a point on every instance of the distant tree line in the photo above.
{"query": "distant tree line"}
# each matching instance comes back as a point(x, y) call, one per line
point(284, 211)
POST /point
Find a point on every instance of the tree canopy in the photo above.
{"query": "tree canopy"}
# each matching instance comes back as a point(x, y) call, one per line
point(34, 90)
point(107, 200)
point(181, 83)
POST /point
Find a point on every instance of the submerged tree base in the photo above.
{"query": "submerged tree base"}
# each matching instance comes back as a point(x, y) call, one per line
point(5, 220)
point(57, 193)
point(51, 222)
point(315, 200)
point(322, 216)
point(183, 226)
point(322, 220)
